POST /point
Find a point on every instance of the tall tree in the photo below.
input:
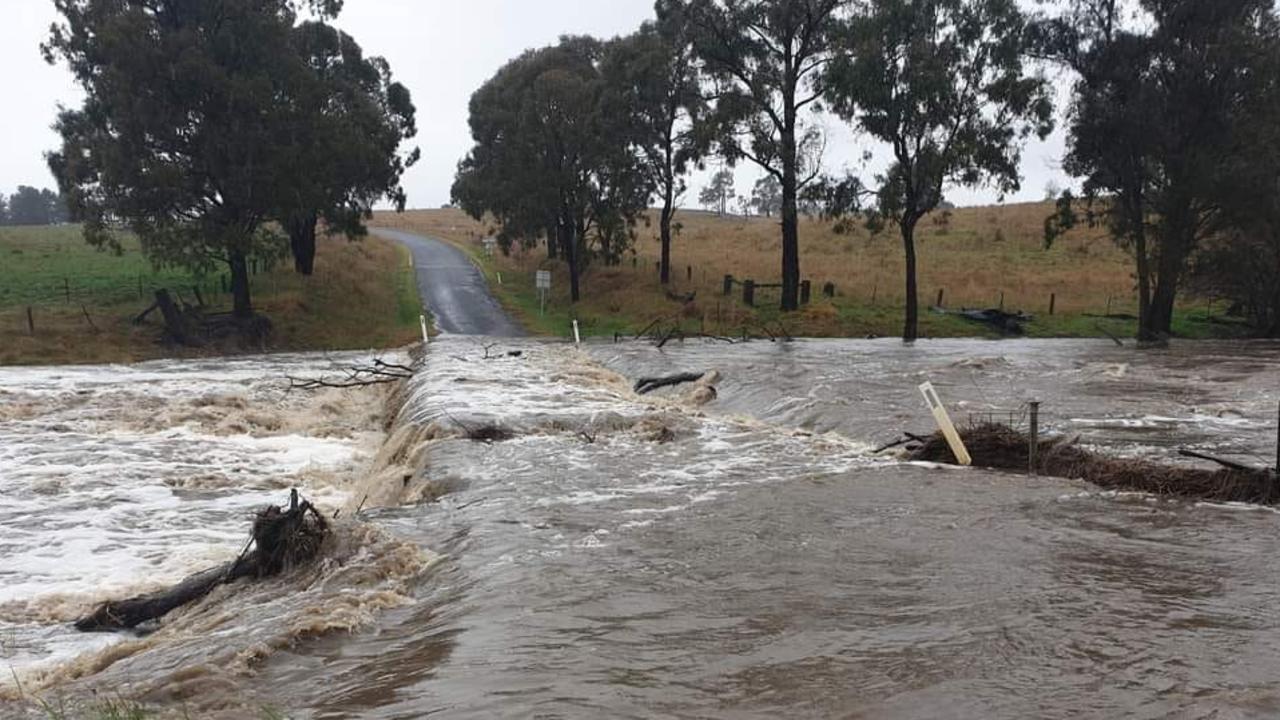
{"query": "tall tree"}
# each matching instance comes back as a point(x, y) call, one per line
point(766, 57)
point(653, 80)
point(944, 84)
point(547, 155)
point(350, 119)
point(181, 137)
point(1164, 89)
point(718, 192)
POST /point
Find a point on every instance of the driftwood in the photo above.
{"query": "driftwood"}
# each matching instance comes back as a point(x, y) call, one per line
point(1007, 323)
point(281, 539)
point(686, 298)
point(644, 386)
point(1002, 448)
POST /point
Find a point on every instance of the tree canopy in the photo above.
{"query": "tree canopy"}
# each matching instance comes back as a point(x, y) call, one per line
point(943, 83)
point(652, 80)
point(1169, 112)
point(204, 119)
point(549, 157)
point(765, 58)
point(350, 120)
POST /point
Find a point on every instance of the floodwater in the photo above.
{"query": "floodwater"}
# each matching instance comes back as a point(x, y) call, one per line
point(689, 554)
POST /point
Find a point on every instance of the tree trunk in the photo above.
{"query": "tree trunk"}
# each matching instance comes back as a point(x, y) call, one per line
point(664, 230)
point(553, 240)
point(242, 307)
point(790, 218)
point(1144, 284)
point(911, 329)
point(570, 249)
point(302, 241)
point(1176, 242)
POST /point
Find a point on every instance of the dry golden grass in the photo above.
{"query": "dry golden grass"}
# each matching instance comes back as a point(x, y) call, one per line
point(975, 255)
point(361, 296)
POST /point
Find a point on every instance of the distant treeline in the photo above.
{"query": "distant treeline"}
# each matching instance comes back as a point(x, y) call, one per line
point(30, 206)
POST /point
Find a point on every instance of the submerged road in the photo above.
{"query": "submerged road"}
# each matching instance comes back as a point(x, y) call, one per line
point(452, 287)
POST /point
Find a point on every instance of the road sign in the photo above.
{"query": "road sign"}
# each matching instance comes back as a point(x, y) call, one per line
point(490, 244)
point(543, 281)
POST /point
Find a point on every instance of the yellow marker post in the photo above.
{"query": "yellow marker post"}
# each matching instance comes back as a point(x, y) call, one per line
point(945, 424)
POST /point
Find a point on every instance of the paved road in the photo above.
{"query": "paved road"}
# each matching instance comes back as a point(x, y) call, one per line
point(453, 288)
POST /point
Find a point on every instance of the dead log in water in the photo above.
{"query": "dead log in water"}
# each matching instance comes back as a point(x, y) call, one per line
point(644, 386)
point(1003, 448)
point(281, 539)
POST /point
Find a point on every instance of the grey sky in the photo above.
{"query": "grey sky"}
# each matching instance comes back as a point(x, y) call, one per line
point(441, 49)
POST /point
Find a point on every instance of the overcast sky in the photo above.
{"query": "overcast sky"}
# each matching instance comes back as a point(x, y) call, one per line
point(442, 50)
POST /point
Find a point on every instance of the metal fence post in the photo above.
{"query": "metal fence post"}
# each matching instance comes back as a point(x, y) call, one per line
point(1033, 451)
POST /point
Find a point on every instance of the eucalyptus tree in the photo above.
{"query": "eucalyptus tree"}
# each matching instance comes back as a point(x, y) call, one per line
point(652, 80)
point(180, 138)
point(1165, 95)
point(766, 59)
point(945, 85)
point(766, 196)
point(548, 154)
point(350, 120)
point(719, 191)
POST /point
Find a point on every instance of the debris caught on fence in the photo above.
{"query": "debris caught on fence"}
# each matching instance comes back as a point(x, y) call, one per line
point(1003, 448)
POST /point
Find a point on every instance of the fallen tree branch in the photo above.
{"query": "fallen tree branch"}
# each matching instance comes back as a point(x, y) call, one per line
point(1224, 463)
point(378, 373)
point(281, 539)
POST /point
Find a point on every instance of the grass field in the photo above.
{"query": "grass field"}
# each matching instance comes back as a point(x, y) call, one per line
point(976, 256)
point(83, 301)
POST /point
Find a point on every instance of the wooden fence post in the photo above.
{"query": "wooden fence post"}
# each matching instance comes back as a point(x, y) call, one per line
point(728, 284)
point(31, 321)
point(939, 304)
point(805, 290)
point(829, 289)
point(749, 292)
point(1053, 300)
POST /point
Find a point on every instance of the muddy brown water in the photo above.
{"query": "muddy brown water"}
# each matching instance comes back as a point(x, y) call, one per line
point(660, 556)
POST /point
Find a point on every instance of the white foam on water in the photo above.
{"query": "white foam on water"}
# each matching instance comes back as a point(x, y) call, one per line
point(105, 493)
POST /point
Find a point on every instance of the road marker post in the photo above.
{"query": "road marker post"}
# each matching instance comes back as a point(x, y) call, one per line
point(944, 423)
point(426, 339)
point(577, 339)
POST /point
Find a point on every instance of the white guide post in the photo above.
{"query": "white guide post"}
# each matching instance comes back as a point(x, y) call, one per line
point(426, 339)
point(945, 424)
point(577, 339)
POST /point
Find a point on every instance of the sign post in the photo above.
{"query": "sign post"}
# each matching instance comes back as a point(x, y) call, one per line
point(543, 278)
point(945, 424)
point(490, 243)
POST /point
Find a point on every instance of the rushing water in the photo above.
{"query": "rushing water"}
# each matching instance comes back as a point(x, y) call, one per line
point(744, 555)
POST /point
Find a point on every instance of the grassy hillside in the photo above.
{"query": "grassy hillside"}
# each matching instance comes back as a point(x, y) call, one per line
point(974, 255)
point(82, 301)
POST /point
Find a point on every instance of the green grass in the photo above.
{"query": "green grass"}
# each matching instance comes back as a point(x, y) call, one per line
point(49, 265)
point(82, 301)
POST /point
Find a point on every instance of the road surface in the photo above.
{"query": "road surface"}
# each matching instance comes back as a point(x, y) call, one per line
point(452, 288)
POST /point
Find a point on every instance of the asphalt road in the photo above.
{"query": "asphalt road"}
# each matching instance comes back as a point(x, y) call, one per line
point(453, 288)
